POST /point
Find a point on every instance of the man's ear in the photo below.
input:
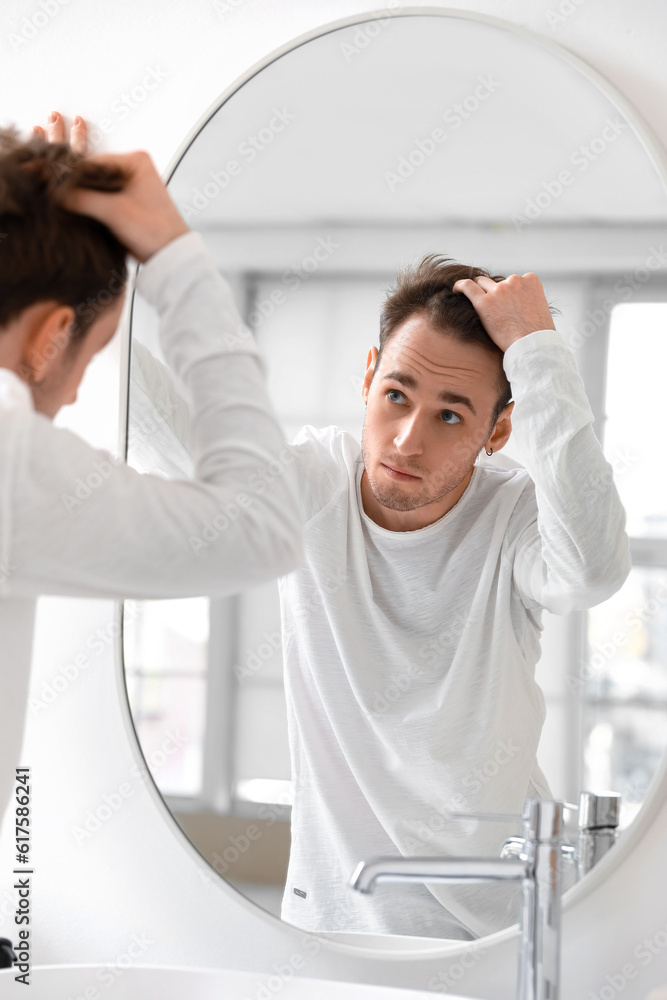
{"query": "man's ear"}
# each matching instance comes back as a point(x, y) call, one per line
point(501, 430)
point(368, 377)
point(45, 343)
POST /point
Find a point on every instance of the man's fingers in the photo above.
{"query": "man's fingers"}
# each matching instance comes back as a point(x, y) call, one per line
point(484, 282)
point(107, 173)
point(55, 127)
point(99, 204)
point(78, 136)
point(56, 131)
point(470, 288)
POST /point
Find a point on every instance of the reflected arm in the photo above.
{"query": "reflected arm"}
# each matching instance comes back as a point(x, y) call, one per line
point(572, 552)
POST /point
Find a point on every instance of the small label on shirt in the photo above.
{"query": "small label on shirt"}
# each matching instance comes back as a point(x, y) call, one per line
point(300, 892)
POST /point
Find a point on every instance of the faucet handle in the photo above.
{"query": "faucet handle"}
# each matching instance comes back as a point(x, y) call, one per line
point(507, 817)
point(597, 811)
point(542, 819)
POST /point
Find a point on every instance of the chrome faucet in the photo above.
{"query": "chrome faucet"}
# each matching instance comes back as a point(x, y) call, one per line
point(598, 820)
point(537, 868)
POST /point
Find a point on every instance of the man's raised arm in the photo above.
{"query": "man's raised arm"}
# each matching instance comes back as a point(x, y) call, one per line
point(574, 552)
point(79, 523)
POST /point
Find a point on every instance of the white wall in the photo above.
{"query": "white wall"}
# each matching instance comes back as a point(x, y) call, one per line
point(136, 875)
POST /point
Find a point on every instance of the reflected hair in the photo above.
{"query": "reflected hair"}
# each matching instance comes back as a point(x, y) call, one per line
point(47, 252)
point(427, 289)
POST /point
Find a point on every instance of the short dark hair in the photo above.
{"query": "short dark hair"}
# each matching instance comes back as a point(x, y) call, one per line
point(47, 252)
point(428, 288)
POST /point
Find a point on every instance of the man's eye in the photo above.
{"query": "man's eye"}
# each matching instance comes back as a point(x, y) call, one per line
point(393, 393)
point(450, 417)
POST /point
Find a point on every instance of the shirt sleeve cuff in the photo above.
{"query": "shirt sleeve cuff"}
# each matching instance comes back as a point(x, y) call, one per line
point(153, 275)
point(538, 341)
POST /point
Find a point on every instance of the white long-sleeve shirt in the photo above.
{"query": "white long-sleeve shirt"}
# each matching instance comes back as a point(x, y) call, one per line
point(74, 522)
point(410, 656)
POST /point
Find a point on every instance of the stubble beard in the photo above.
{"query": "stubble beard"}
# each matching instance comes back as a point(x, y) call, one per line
point(393, 497)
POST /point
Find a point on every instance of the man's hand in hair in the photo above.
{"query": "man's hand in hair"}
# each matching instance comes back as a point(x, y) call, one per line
point(142, 216)
point(509, 309)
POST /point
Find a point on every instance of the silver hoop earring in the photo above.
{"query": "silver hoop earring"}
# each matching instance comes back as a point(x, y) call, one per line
point(489, 453)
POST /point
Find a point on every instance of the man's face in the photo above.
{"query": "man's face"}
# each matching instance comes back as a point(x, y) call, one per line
point(59, 383)
point(429, 410)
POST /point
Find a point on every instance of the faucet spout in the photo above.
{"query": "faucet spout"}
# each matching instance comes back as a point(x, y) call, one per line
point(537, 868)
point(451, 870)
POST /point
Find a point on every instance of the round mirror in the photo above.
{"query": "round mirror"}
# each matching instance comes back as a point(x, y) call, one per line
point(336, 162)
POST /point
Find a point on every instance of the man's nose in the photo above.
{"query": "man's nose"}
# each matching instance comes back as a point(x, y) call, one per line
point(409, 439)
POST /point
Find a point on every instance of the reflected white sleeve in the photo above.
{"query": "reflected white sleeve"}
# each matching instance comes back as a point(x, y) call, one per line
point(575, 552)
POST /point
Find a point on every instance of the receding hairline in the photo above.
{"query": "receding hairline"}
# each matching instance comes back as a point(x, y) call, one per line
point(453, 334)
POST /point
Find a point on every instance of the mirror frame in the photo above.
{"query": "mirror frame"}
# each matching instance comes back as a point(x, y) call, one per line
point(656, 796)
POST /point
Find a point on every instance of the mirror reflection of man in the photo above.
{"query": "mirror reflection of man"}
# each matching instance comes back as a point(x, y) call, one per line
point(412, 633)
point(68, 223)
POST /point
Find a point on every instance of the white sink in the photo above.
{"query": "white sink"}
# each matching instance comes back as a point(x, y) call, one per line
point(437, 947)
point(90, 982)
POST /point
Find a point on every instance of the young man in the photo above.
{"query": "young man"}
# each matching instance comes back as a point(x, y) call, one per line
point(67, 223)
point(412, 631)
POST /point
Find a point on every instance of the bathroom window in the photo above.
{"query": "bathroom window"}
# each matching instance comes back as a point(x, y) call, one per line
point(624, 678)
point(165, 667)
